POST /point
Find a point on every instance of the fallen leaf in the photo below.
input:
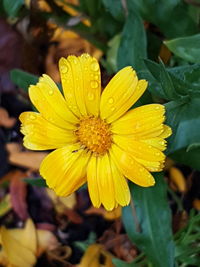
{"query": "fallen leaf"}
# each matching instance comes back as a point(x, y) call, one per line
point(196, 204)
point(108, 215)
point(5, 120)
point(18, 192)
point(5, 205)
point(94, 255)
point(46, 241)
point(177, 180)
point(31, 160)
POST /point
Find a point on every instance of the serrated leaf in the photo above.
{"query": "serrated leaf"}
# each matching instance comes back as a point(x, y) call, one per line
point(187, 48)
point(148, 225)
point(40, 182)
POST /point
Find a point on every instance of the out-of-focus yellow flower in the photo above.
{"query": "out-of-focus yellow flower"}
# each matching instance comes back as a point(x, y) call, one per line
point(92, 256)
point(96, 139)
point(21, 247)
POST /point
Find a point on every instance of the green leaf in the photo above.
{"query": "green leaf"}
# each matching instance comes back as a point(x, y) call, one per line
point(167, 84)
point(40, 182)
point(160, 12)
point(187, 48)
point(120, 263)
point(111, 56)
point(132, 49)
point(148, 222)
point(183, 117)
point(12, 7)
point(190, 158)
point(23, 79)
point(115, 8)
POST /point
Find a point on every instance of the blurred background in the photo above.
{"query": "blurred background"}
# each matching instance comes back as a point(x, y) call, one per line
point(161, 40)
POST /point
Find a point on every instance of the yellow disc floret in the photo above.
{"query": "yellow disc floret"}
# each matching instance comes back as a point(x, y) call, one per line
point(94, 134)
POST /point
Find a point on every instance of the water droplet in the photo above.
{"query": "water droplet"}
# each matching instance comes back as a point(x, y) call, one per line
point(94, 66)
point(75, 61)
point(110, 100)
point(32, 117)
point(64, 69)
point(113, 108)
point(51, 92)
point(157, 154)
point(94, 84)
point(90, 96)
point(157, 107)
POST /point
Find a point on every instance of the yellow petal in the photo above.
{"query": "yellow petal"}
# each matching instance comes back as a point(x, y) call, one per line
point(143, 122)
point(130, 168)
point(138, 149)
point(69, 169)
point(81, 82)
point(120, 94)
point(40, 134)
point(167, 131)
point(105, 182)
point(156, 142)
point(51, 104)
point(121, 189)
point(178, 179)
point(17, 254)
point(92, 182)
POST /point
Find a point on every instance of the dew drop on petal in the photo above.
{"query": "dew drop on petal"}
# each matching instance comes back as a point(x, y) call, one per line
point(110, 100)
point(64, 69)
point(94, 84)
point(113, 108)
point(32, 117)
point(90, 96)
point(50, 92)
point(94, 66)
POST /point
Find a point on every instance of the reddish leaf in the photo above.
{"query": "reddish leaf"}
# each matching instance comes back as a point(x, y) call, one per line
point(18, 192)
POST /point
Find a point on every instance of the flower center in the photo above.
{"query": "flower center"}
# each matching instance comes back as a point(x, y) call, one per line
point(94, 134)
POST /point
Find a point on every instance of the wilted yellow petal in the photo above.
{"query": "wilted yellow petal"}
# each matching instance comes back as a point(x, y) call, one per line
point(178, 179)
point(91, 258)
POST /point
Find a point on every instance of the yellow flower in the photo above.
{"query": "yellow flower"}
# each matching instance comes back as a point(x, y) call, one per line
point(96, 139)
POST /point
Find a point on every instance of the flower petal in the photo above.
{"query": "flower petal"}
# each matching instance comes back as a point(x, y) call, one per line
point(51, 104)
point(40, 134)
point(69, 171)
point(143, 122)
point(92, 182)
point(81, 82)
point(120, 94)
point(122, 192)
point(167, 131)
point(138, 149)
point(105, 182)
point(130, 168)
